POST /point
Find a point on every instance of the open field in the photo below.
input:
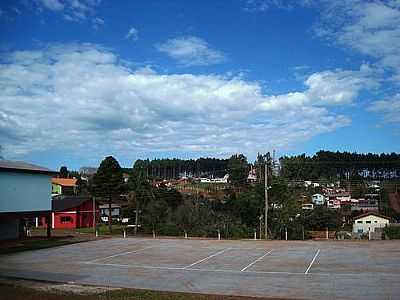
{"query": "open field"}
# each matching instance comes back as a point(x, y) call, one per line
point(292, 270)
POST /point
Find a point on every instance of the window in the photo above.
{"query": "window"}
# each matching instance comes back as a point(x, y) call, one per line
point(376, 222)
point(368, 222)
point(66, 220)
point(359, 222)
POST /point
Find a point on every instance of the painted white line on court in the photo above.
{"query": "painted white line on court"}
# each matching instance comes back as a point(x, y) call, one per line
point(258, 259)
point(120, 254)
point(189, 270)
point(309, 267)
point(207, 258)
point(239, 272)
point(133, 266)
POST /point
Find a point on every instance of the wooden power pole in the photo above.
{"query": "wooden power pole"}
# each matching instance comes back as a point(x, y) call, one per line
point(266, 200)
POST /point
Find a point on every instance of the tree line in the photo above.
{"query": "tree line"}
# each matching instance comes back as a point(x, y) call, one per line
point(340, 165)
point(173, 168)
point(163, 210)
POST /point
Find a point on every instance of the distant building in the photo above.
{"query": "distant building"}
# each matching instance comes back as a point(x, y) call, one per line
point(364, 205)
point(318, 199)
point(126, 177)
point(73, 212)
point(252, 176)
point(215, 180)
point(369, 222)
point(334, 204)
point(308, 206)
point(25, 192)
point(115, 211)
point(63, 186)
point(308, 183)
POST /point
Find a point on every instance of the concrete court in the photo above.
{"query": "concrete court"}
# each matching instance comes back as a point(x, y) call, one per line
point(284, 269)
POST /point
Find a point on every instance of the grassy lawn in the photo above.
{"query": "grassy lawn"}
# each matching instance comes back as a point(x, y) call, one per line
point(33, 244)
point(23, 293)
point(117, 229)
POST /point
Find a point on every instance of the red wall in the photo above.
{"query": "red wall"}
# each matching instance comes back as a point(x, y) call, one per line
point(80, 217)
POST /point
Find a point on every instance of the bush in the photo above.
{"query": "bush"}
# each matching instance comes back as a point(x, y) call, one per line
point(170, 230)
point(393, 232)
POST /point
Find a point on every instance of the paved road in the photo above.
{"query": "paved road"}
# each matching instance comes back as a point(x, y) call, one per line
point(298, 270)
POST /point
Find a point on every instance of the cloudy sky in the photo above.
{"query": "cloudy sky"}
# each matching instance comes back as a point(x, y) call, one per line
point(82, 79)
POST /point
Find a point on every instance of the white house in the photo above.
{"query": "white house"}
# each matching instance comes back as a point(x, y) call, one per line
point(368, 222)
point(318, 199)
point(307, 206)
point(215, 180)
point(25, 192)
point(334, 204)
point(115, 211)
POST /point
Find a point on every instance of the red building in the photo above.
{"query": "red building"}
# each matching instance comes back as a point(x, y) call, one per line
point(73, 212)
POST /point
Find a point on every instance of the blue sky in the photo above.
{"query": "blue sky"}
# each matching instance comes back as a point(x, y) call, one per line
point(82, 79)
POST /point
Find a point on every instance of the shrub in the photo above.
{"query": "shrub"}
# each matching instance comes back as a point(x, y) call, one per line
point(392, 232)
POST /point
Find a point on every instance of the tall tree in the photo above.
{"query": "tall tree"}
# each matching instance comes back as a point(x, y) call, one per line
point(155, 213)
point(63, 172)
point(108, 182)
point(238, 169)
point(140, 190)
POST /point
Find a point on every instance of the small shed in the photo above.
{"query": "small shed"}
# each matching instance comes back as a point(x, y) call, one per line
point(369, 222)
point(74, 212)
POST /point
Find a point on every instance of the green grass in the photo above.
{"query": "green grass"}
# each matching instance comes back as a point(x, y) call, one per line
point(23, 293)
point(34, 244)
point(102, 229)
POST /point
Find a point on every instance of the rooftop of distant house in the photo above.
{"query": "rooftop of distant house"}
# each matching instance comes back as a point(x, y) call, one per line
point(373, 214)
point(64, 181)
point(60, 203)
point(20, 166)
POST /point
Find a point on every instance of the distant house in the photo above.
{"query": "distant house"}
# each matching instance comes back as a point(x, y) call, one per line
point(63, 186)
point(318, 199)
point(215, 180)
point(115, 212)
point(126, 177)
point(25, 192)
point(369, 222)
point(334, 203)
point(73, 212)
point(307, 206)
point(365, 205)
point(252, 176)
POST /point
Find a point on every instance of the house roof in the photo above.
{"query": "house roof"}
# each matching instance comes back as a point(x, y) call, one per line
point(20, 166)
point(113, 205)
point(371, 213)
point(64, 181)
point(61, 203)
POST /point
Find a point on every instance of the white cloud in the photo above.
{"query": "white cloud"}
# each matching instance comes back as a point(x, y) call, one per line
point(132, 34)
point(369, 27)
point(73, 10)
point(191, 51)
point(327, 88)
point(55, 5)
point(390, 108)
point(254, 6)
point(79, 98)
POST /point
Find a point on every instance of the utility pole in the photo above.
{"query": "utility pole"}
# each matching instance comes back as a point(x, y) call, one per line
point(266, 200)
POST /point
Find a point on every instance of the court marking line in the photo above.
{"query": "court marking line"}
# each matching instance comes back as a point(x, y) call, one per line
point(314, 258)
point(120, 254)
point(257, 260)
point(133, 266)
point(207, 258)
point(239, 272)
